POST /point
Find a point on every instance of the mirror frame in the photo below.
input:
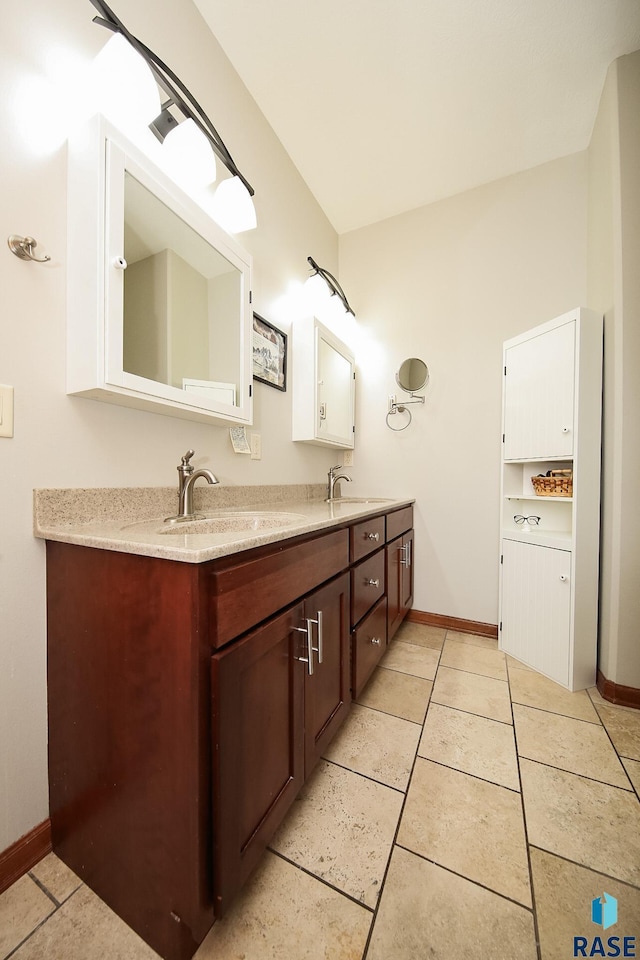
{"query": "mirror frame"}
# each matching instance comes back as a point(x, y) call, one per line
point(420, 386)
point(98, 157)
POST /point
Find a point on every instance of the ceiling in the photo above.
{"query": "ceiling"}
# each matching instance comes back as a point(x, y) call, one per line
point(386, 105)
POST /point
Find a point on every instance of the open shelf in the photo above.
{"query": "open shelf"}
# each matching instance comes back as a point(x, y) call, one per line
point(534, 496)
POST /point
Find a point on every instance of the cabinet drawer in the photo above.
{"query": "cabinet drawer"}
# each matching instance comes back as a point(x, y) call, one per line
point(366, 537)
point(369, 644)
point(367, 585)
point(243, 594)
point(399, 522)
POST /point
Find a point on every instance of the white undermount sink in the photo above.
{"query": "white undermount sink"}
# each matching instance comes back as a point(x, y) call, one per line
point(360, 500)
point(234, 522)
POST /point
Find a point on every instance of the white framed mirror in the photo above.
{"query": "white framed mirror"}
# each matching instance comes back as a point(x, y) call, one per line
point(159, 311)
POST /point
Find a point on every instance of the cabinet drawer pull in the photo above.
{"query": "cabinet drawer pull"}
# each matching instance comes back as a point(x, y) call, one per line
point(309, 657)
point(372, 583)
point(375, 640)
point(563, 577)
point(404, 550)
point(320, 648)
point(372, 536)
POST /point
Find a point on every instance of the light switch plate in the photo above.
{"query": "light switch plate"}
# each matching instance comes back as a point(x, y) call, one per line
point(256, 446)
point(6, 410)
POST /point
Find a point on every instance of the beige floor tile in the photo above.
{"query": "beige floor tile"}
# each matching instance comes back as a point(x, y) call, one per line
point(623, 726)
point(563, 893)
point(56, 876)
point(590, 823)
point(534, 690)
point(341, 828)
point(487, 643)
point(421, 634)
point(474, 659)
point(85, 929)
point(475, 745)
point(376, 745)
point(284, 914)
point(514, 664)
point(398, 694)
point(568, 744)
point(471, 692)
point(469, 826)
point(22, 907)
point(633, 770)
point(410, 658)
point(426, 911)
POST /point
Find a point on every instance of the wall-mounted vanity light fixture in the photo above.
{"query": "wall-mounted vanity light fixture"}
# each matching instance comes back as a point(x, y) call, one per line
point(191, 139)
point(319, 274)
point(413, 375)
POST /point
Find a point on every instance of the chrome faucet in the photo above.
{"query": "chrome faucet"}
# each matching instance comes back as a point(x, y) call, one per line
point(333, 478)
point(187, 476)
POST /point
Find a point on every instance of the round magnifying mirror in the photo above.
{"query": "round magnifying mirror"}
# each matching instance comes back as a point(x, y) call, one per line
point(413, 375)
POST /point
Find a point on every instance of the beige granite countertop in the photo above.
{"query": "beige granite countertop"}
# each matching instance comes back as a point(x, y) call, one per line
point(132, 520)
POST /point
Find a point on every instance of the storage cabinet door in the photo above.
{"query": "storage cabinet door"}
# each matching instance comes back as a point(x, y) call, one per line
point(406, 565)
point(536, 607)
point(258, 746)
point(399, 581)
point(327, 693)
point(394, 587)
point(539, 395)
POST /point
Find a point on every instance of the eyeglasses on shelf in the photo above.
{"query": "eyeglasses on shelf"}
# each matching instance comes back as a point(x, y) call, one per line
point(533, 521)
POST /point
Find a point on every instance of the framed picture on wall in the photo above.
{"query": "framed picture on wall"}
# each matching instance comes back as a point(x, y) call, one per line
point(269, 353)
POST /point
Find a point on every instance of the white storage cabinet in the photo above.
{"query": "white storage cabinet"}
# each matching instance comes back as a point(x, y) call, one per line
point(323, 386)
point(552, 400)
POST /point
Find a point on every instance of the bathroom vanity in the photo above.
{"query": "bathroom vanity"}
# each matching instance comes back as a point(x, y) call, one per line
point(191, 695)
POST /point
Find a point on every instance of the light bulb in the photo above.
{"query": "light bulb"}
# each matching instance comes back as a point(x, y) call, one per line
point(317, 292)
point(126, 89)
point(232, 207)
point(187, 155)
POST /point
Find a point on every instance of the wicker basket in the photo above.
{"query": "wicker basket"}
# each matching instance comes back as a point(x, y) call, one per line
point(557, 483)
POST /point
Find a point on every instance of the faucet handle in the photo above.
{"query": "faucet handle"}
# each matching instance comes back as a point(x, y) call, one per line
point(187, 457)
point(338, 466)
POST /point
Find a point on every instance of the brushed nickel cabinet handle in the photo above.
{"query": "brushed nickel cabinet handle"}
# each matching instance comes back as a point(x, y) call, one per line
point(372, 536)
point(374, 640)
point(309, 658)
point(372, 583)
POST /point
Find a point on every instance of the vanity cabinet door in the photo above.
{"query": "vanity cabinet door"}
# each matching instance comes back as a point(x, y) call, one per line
point(399, 581)
point(258, 745)
point(327, 694)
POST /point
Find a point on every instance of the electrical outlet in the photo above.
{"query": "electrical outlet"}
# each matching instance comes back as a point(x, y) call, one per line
point(256, 446)
point(6, 410)
point(348, 458)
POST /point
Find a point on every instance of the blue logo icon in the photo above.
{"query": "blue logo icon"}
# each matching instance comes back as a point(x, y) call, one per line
point(604, 911)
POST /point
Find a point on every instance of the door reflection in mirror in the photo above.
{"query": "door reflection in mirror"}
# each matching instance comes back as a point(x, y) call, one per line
point(182, 301)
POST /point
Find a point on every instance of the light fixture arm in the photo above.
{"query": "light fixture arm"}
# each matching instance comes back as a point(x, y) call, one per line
point(331, 282)
point(173, 87)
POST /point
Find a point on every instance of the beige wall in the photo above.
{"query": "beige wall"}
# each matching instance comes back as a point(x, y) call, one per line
point(449, 283)
point(68, 441)
point(614, 288)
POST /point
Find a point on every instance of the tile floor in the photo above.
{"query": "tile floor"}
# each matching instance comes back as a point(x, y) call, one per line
point(469, 808)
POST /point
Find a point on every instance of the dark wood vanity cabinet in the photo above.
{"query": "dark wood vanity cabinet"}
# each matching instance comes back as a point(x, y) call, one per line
point(274, 712)
point(184, 715)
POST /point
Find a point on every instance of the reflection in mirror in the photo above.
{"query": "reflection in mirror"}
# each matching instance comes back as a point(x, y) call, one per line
point(182, 302)
point(413, 375)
